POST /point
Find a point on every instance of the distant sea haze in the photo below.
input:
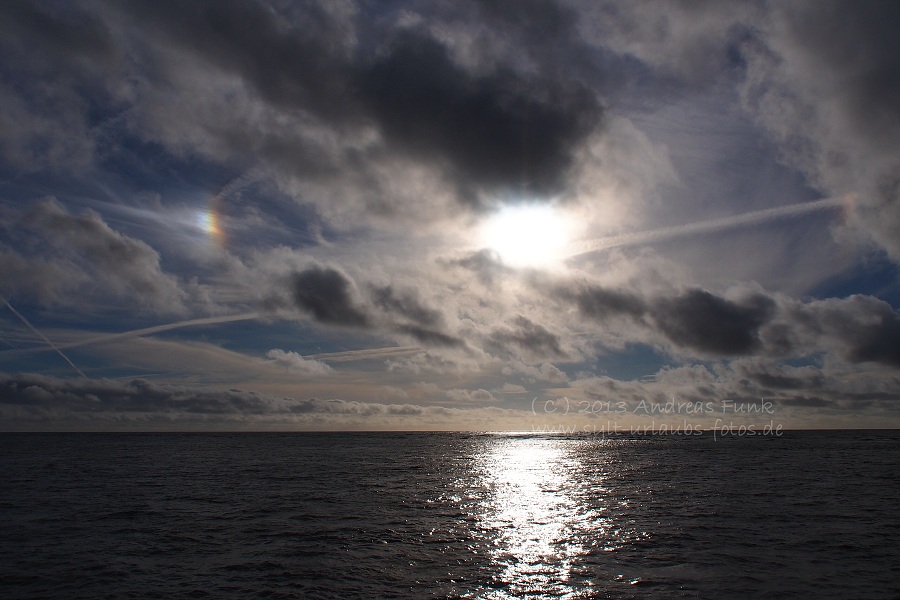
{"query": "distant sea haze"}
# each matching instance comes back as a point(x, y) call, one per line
point(803, 514)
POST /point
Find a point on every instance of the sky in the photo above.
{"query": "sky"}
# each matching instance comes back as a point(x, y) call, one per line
point(473, 215)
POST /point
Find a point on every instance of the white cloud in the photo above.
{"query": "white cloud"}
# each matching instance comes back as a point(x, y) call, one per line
point(480, 397)
point(297, 363)
point(543, 372)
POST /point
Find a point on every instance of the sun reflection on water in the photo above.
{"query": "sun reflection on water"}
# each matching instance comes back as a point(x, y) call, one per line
point(536, 520)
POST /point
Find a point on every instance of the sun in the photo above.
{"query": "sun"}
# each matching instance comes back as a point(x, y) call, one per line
point(528, 235)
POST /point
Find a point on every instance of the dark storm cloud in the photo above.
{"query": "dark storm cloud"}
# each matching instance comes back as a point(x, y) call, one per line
point(861, 328)
point(525, 335)
point(497, 131)
point(694, 319)
point(602, 303)
point(701, 321)
point(404, 304)
point(773, 376)
point(878, 342)
point(857, 329)
point(329, 296)
point(309, 69)
point(429, 337)
point(332, 298)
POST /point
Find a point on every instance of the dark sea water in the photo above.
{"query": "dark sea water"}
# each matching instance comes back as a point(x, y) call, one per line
point(449, 515)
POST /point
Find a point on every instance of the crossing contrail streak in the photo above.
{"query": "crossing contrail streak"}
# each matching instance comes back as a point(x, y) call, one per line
point(111, 337)
point(366, 354)
point(42, 336)
point(664, 233)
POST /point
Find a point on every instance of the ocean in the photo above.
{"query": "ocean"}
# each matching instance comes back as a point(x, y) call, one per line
point(806, 514)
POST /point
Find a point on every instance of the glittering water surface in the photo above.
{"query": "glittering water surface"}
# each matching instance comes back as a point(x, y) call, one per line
point(344, 515)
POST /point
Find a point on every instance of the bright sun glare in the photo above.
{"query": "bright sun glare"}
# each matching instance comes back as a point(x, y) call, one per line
point(527, 236)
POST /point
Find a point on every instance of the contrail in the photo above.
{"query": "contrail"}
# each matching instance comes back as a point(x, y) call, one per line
point(366, 354)
point(112, 337)
point(42, 336)
point(654, 235)
point(350, 355)
point(160, 328)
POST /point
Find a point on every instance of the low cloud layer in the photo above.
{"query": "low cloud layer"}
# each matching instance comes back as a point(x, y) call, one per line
point(39, 402)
